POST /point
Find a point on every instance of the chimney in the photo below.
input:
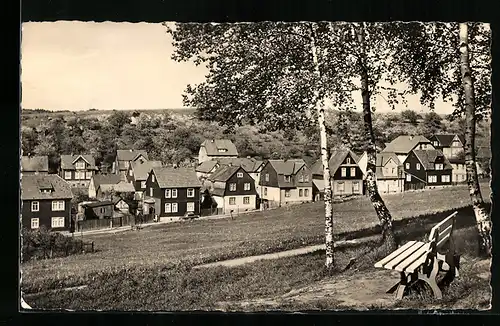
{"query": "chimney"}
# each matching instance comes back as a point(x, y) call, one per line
point(212, 140)
point(411, 137)
point(131, 150)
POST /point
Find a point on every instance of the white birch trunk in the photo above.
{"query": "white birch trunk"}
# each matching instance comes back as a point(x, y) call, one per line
point(482, 217)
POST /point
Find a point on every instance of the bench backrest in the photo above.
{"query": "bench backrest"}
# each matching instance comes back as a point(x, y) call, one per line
point(441, 232)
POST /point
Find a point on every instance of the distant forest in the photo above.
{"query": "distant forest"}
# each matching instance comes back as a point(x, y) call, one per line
point(172, 137)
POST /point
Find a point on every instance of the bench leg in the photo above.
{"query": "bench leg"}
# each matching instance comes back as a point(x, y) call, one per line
point(431, 279)
point(401, 286)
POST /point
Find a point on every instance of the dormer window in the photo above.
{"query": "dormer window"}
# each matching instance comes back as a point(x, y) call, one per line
point(288, 178)
point(348, 160)
point(439, 166)
point(436, 143)
point(240, 175)
point(222, 150)
point(80, 165)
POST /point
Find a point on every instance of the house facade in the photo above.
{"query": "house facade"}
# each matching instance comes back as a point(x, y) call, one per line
point(101, 179)
point(404, 144)
point(137, 175)
point(389, 173)
point(78, 170)
point(426, 169)
point(215, 149)
point(452, 145)
point(34, 165)
point(172, 192)
point(46, 201)
point(98, 210)
point(285, 182)
point(233, 189)
point(124, 157)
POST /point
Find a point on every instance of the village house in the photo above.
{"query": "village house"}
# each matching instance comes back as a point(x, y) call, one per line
point(34, 165)
point(98, 210)
point(205, 169)
point(46, 201)
point(452, 146)
point(389, 173)
point(404, 144)
point(137, 174)
point(78, 170)
point(99, 179)
point(347, 177)
point(285, 182)
point(216, 148)
point(233, 189)
point(121, 205)
point(107, 191)
point(172, 192)
point(123, 159)
point(426, 169)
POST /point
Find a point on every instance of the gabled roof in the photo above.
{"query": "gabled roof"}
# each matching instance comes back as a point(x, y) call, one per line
point(102, 179)
point(288, 167)
point(427, 157)
point(118, 187)
point(248, 164)
point(223, 173)
point(404, 144)
point(212, 147)
point(206, 166)
point(130, 154)
point(219, 192)
point(142, 169)
point(445, 140)
point(320, 184)
point(99, 203)
point(384, 157)
point(336, 159)
point(169, 177)
point(34, 164)
point(31, 186)
point(67, 161)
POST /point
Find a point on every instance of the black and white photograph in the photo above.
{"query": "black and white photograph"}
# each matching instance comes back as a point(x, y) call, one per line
point(255, 166)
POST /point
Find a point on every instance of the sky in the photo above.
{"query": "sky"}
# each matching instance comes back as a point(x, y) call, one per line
point(70, 65)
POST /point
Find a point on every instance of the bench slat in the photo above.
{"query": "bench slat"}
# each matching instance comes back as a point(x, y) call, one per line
point(415, 260)
point(396, 252)
point(444, 236)
point(404, 255)
point(441, 226)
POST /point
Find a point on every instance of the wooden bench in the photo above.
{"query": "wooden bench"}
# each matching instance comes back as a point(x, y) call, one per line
point(423, 261)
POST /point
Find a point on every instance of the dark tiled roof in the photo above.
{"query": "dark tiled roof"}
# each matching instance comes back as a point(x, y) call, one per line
point(34, 164)
point(99, 203)
point(288, 167)
point(206, 166)
point(169, 177)
point(142, 169)
point(404, 144)
point(32, 184)
point(336, 159)
point(130, 154)
point(223, 173)
point(445, 140)
point(118, 187)
point(212, 147)
point(427, 157)
point(67, 161)
point(248, 164)
point(102, 179)
point(217, 192)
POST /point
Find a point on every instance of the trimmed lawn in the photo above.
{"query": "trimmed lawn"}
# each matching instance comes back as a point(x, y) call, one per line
point(184, 244)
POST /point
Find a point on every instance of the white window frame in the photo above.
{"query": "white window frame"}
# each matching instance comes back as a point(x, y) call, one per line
point(407, 166)
point(130, 173)
point(355, 186)
point(232, 201)
point(246, 186)
point(232, 187)
point(168, 207)
point(301, 192)
point(439, 166)
point(288, 193)
point(143, 184)
point(190, 192)
point(37, 209)
point(418, 166)
point(265, 191)
point(88, 175)
point(339, 188)
point(150, 191)
point(432, 179)
point(353, 172)
point(174, 193)
point(35, 223)
point(58, 205)
point(80, 165)
point(301, 178)
point(408, 177)
point(239, 175)
point(445, 178)
point(246, 200)
point(57, 222)
point(348, 160)
point(175, 208)
point(267, 176)
point(306, 192)
point(152, 178)
point(436, 143)
point(67, 175)
point(168, 193)
point(343, 172)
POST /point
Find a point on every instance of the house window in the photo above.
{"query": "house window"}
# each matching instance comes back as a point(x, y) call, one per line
point(306, 192)
point(436, 143)
point(288, 178)
point(80, 165)
point(58, 205)
point(301, 192)
point(353, 172)
point(232, 187)
point(246, 200)
point(67, 175)
point(445, 178)
point(175, 207)
point(355, 187)
point(432, 166)
point(239, 175)
point(57, 222)
point(341, 187)
point(151, 191)
point(88, 175)
point(439, 166)
point(167, 193)
point(306, 178)
point(232, 200)
point(102, 210)
point(287, 193)
point(168, 208)
point(343, 172)
point(222, 150)
point(407, 166)
point(35, 223)
point(408, 177)
point(35, 206)
point(418, 166)
point(174, 193)
point(348, 160)
point(432, 179)
point(301, 178)
point(267, 176)
point(143, 184)
point(392, 170)
point(246, 186)
point(152, 178)
point(130, 173)
point(190, 192)
point(265, 191)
